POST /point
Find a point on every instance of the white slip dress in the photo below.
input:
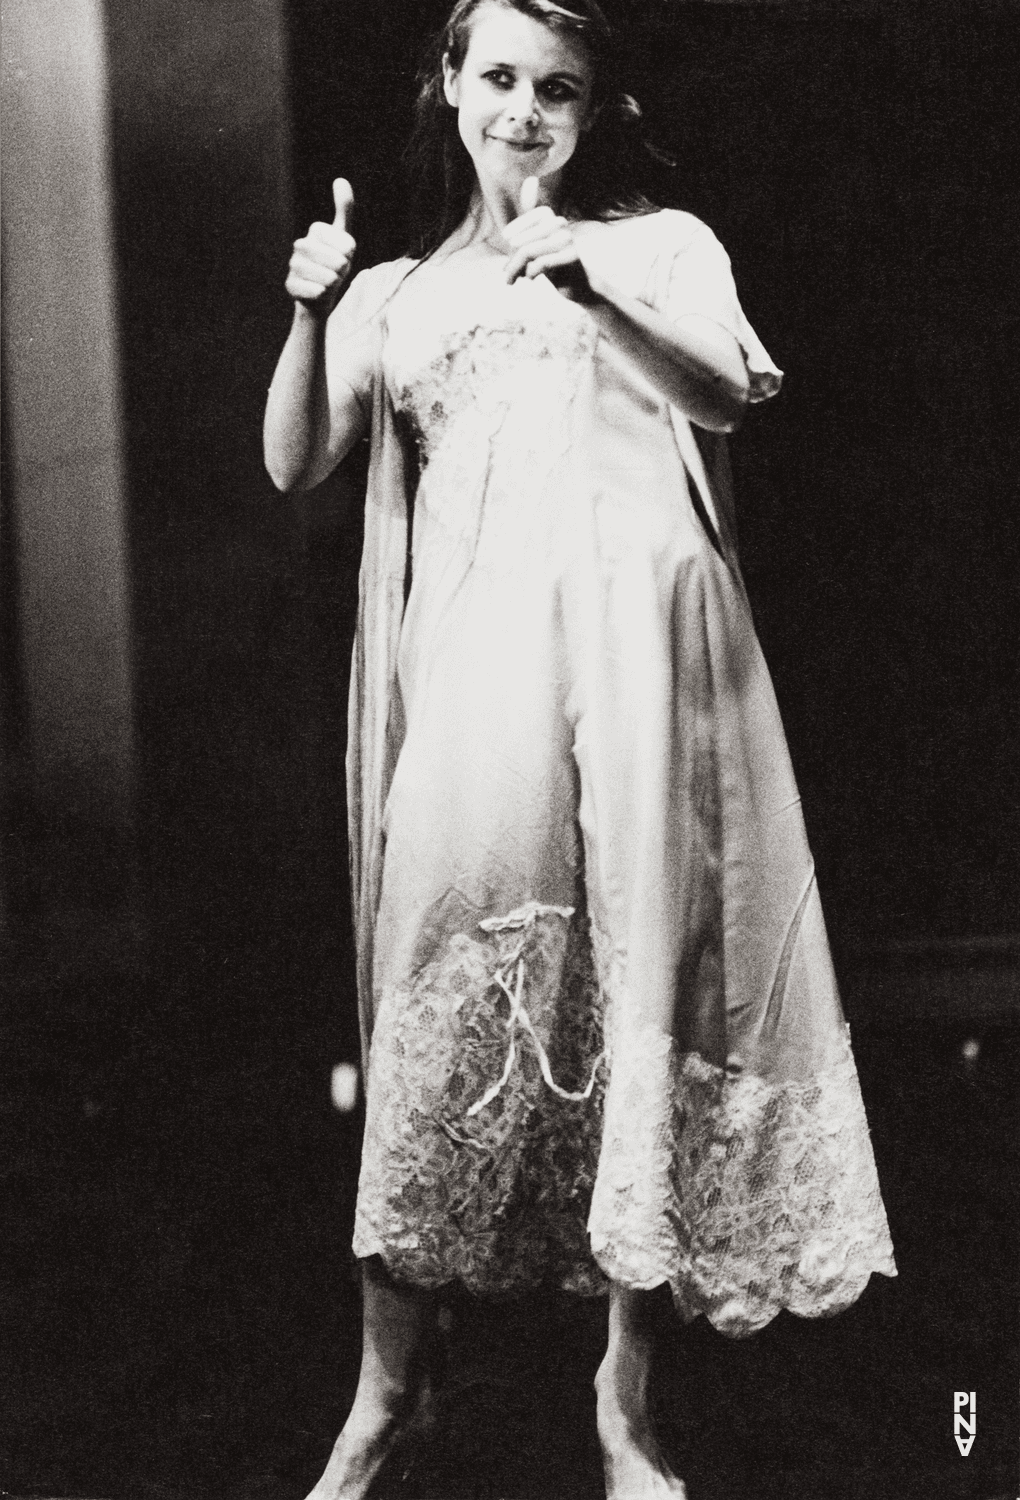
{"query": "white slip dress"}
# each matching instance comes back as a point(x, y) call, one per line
point(603, 1037)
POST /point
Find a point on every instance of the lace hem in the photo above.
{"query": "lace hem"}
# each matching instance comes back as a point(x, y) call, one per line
point(491, 1133)
point(485, 1111)
point(747, 1197)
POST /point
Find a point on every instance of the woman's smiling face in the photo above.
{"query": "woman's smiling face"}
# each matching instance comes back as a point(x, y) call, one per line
point(523, 96)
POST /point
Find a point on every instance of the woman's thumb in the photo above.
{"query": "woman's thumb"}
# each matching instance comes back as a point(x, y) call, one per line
point(343, 199)
point(529, 194)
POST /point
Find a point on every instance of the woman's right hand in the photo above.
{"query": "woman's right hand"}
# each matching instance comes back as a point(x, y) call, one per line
point(321, 262)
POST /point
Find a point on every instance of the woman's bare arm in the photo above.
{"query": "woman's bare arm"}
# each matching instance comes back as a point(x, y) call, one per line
point(696, 364)
point(310, 424)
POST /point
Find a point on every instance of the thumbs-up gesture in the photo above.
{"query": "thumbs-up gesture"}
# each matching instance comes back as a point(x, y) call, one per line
point(321, 262)
point(542, 243)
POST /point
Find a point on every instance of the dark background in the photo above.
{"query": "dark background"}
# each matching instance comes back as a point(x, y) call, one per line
point(183, 1315)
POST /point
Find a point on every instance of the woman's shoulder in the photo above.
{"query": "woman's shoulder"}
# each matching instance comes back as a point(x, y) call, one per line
point(663, 227)
point(386, 275)
point(643, 247)
point(642, 253)
point(373, 287)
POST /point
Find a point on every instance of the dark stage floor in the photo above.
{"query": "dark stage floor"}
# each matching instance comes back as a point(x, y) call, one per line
point(181, 1315)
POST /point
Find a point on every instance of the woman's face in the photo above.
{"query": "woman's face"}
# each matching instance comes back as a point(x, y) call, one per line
point(523, 96)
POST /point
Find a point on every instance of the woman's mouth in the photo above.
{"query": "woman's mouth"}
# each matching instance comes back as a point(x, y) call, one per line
point(522, 146)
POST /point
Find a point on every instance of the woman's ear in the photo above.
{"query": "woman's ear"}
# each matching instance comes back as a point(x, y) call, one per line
point(589, 120)
point(451, 82)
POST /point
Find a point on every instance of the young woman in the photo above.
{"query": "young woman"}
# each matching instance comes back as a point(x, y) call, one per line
point(602, 1035)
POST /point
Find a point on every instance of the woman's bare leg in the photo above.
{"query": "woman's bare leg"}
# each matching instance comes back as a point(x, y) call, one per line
point(389, 1383)
point(634, 1464)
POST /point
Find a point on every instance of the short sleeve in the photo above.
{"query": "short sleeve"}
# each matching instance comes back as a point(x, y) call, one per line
point(698, 281)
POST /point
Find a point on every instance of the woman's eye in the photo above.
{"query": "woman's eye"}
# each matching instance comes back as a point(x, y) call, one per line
point(558, 93)
point(498, 77)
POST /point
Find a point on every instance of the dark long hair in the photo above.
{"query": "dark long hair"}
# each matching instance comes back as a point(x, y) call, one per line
point(599, 181)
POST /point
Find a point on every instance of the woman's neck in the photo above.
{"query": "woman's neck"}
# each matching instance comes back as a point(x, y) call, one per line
point(495, 205)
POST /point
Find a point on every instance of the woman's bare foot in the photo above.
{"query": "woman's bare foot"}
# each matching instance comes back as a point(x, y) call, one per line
point(394, 1396)
point(369, 1437)
point(634, 1464)
point(367, 1440)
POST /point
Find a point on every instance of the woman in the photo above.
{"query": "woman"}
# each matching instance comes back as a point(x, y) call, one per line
point(601, 1028)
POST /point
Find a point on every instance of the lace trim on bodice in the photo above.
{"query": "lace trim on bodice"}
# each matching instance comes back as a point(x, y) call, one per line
point(483, 367)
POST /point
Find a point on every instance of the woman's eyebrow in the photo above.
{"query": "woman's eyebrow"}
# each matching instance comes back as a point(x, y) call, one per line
point(557, 73)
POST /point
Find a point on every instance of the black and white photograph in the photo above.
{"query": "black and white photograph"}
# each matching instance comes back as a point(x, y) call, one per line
point(509, 754)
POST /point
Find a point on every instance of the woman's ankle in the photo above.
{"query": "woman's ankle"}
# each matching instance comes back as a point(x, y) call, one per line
point(621, 1392)
point(383, 1404)
point(619, 1429)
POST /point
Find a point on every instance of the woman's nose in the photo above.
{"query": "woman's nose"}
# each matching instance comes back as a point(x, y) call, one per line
point(523, 105)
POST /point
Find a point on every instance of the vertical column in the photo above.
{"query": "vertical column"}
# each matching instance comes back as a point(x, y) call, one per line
point(146, 229)
point(61, 365)
point(201, 158)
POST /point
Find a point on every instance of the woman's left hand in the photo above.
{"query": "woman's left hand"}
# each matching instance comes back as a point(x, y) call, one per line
point(542, 244)
point(696, 364)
